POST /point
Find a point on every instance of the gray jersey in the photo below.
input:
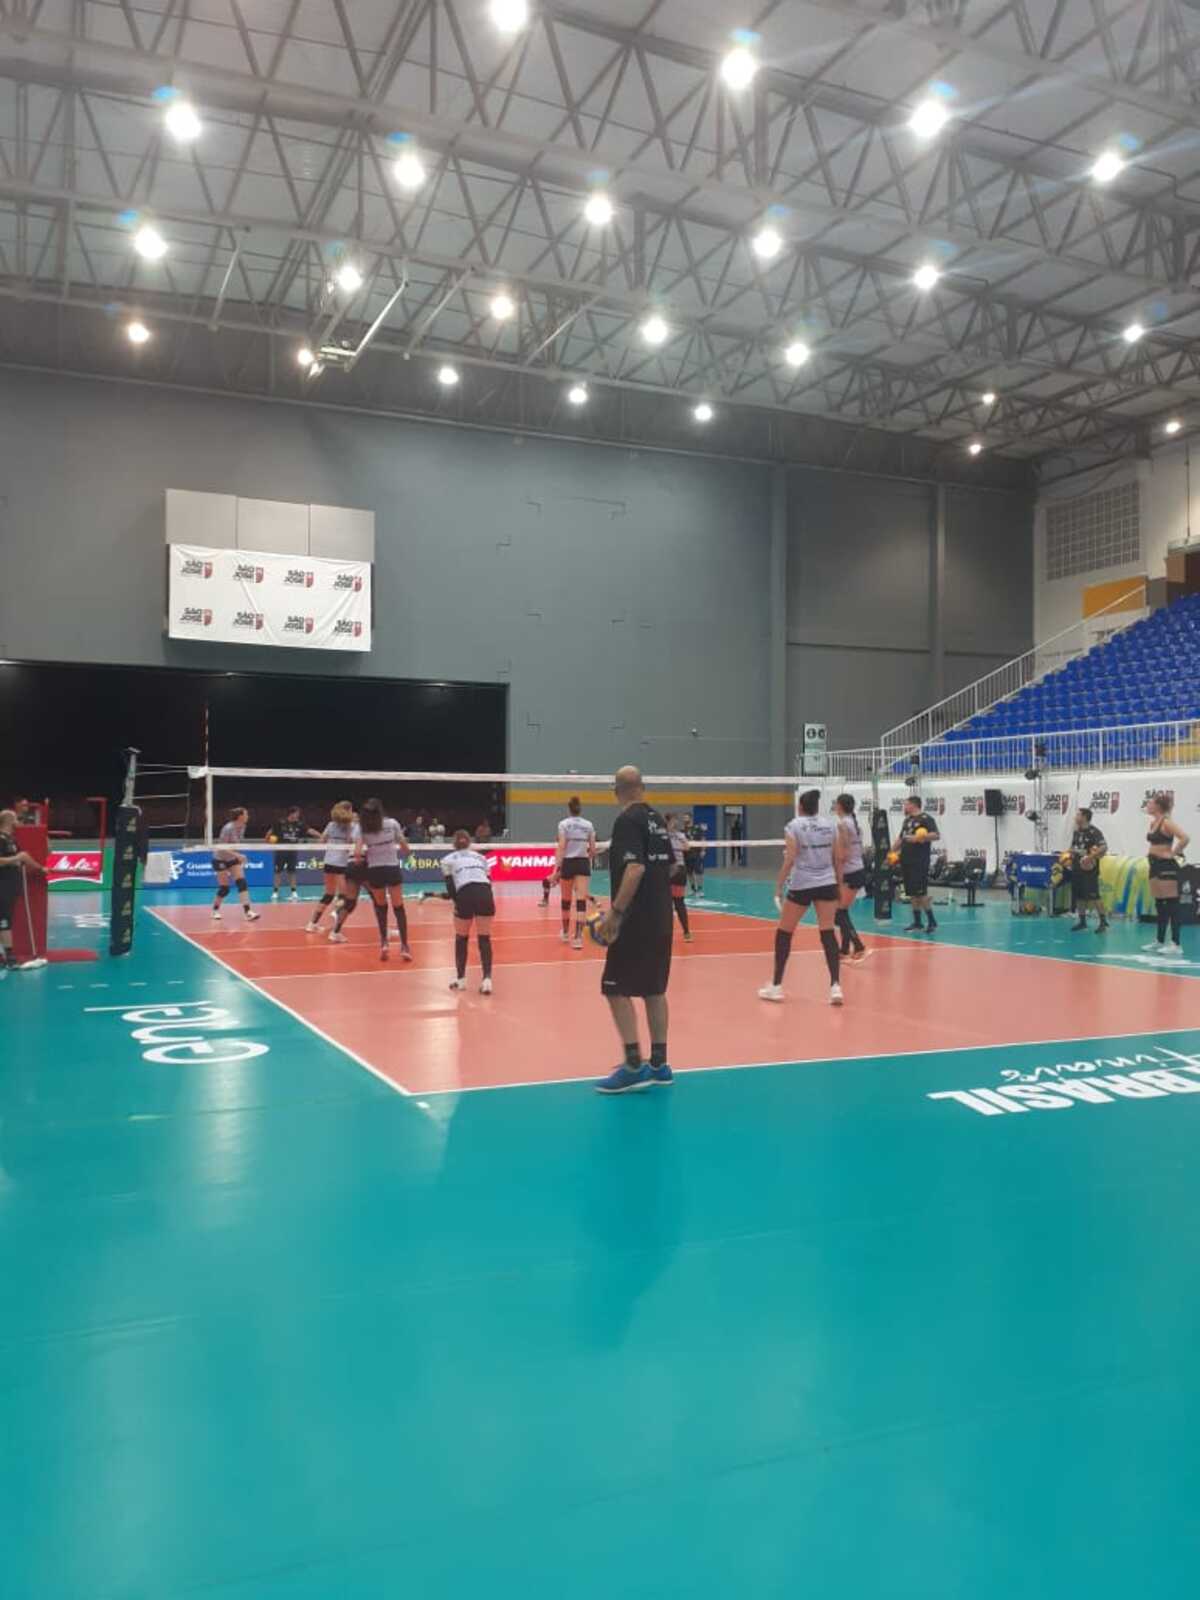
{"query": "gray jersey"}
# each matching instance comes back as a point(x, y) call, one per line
point(852, 848)
point(576, 835)
point(813, 838)
point(339, 839)
point(231, 834)
point(679, 845)
point(383, 847)
point(465, 866)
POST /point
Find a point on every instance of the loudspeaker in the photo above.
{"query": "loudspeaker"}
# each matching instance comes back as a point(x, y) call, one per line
point(993, 802)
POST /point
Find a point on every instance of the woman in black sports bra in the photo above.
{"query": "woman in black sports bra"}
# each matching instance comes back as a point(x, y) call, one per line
point(1167, 842)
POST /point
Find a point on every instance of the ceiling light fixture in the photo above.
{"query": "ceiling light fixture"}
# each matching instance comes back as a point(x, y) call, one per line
point(767, 243)
point(1173, 426)
point(1132, 333)
point(739, 67)
point(974, 447)
point(1106, 167)
point(447, 377)
point(348, 278)
point(598, 212)
point(703, 412)
point(182, 122)
point(925, 277)
point(502, 306)
point(928, 120)
point(797, 353)
point(409, 170)
point(149, 243)
point(655, 330)
point(578, 395)
point(304, 357)
point(137, 332)
point(989, 399)
point(510, 16)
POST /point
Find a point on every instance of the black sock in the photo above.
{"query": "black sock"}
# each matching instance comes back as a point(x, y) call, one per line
point(633, 1056)
point(1173, 915)
point(485, 953)
point(658, 1054)
point(832, 959)
point(930, 918)
point(916, 916)
point(783, 949)
point(401, 922)
point(460, 954)
point(681, 911)
point(381, 918)
point(580, 917)
point(1164, 917)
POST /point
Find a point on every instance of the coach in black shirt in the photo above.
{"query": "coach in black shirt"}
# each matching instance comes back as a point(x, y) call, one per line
point(637, 931)
point(917, 836)
point(1088, 846)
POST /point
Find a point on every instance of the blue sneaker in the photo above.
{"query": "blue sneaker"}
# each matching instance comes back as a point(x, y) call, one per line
point(625, 1080)
point(661, 1074)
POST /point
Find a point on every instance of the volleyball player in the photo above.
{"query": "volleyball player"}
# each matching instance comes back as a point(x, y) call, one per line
point(12, 859)
point(339, 838)
point(288, 829)
point(470, 888)
point(575, 853)
point(812, 872)
point(229, 863)
point(1088, 845)
point(380, 847)
point(637, 931)
point(917, 835)
point(694, 861)
point(1167, 842)
point(854, 878)
point(679, 844)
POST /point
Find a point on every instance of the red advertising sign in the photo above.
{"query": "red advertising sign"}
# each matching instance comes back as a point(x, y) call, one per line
point(519, 863)
point(86, 864)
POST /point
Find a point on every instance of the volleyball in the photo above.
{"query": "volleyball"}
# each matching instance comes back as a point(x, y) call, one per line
point(921, 834)
point(272, 838)
point(893, 859)
point(596, 928)
point(1065, 858)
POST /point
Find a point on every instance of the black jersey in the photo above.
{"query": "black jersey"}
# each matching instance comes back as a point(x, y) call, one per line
point(288, 832)
point(10, 877)
point(639, 838)
point(917, 849)
point(1087, 841)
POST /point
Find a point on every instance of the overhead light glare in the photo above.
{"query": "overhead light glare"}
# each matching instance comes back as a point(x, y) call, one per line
point(149, 243)
point(928, 120)
point(304, 357)
point(348, 278)
point(974, 448)
point(503, 307)
point(182, 122)
point(767, 243)
point(703, 412)
point(409, 170)
point(655, 330)
point(447, 377)
point(1173, 426)
point(137, 332)
point(989, 399)
point(510, 16)
point(738, 68)
point(577, 394)
point(598, 212)
point(797, 353)
point(925, 277)
point(1132, 333)
point(1106, 166)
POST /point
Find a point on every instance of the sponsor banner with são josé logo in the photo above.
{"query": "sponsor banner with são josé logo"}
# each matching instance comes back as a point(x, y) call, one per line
point(260, 597)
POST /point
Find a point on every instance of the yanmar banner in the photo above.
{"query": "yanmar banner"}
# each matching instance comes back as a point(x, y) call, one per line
point(257, 597)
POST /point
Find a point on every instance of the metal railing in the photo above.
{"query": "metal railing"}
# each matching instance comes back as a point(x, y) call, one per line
point(1007, 680)
point(1149, 744)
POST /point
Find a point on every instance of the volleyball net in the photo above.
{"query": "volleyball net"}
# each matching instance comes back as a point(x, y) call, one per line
point(732, 823)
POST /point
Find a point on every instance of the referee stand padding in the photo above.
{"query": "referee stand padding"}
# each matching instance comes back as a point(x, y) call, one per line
point(31, 911)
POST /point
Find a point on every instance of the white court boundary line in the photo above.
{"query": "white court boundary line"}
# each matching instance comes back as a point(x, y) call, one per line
point(283, 1006)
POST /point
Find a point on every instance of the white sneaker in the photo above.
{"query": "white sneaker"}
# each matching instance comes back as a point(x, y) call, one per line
point(458, 983)
point(771, 991)
point(337, 938)
point(857, 957)
point(405, 953)
point(564, 937)
point(216, 913)
point(486, 986)
point(576, 943)
point(836, 997)
point(312, 927)
point(274, 894)
point(1154, 947)
point(1171, 952)
point(250, 916)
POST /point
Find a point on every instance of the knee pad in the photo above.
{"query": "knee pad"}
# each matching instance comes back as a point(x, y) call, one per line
point(241, 885)
point(326, 899)
point(222, 890)
point(581, 906)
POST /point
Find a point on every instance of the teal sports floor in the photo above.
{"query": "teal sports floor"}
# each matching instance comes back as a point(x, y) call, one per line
point(917, 1324)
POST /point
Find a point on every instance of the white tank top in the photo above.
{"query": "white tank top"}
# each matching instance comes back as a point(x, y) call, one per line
point(576, 835)
point(465, 866)
point(813, 838)
point(852, 852)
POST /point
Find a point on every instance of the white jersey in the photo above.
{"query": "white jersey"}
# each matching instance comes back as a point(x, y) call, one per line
point(231, 834)
point(679, 845)
point(465, 866)
point(577, 836)
point(852, 849)
point(383, 846)
point(814, 839)
point(339, 839)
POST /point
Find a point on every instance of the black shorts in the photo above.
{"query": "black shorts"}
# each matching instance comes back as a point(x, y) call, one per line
point(1164, 877)
point(384, 877)
point(6, 914)
point(638, 964)
point(855, 880)
point(806, 897)
point(332, 870)
point(915, 877)
point(1086, 883)
point(224, 864)
point(285, 860)
point(474, 900)
point(575, 867)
